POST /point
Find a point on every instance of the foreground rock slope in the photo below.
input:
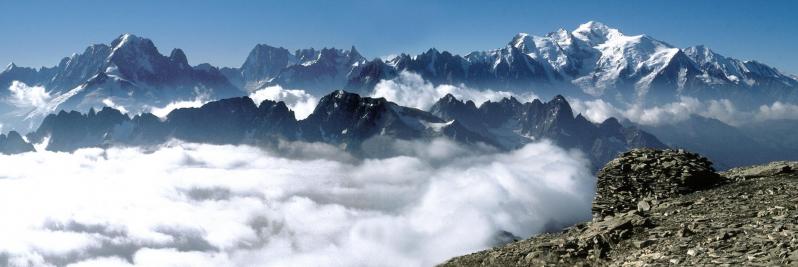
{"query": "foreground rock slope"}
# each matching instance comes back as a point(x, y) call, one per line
point(667, 207)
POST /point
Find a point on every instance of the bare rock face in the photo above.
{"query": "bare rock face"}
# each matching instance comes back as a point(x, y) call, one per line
point(641, 176)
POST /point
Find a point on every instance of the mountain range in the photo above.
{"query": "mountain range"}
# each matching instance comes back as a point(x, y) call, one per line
point(593, 60)
point(361, 125)
point(131, 76)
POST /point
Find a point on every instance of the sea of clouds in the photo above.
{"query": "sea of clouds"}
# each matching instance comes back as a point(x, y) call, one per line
point(207, 205)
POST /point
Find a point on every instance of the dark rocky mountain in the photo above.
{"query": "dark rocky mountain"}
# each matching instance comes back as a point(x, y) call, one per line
point(13, 143)
point(349, 121)
point(67, 131)
point(347, 118)
point(341, 118)
point(513, 124)
point(666, 208)
point(228, 121)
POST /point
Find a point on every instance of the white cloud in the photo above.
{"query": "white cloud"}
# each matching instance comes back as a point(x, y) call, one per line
point(595, 110)
point(778, 111)
point(163, 111)
point(25, 96)
point(667, 113)
point(205, 205)
point(110, 103)
point(410, 89)
point(598, 110)
point(299, 101)
point(102, 262)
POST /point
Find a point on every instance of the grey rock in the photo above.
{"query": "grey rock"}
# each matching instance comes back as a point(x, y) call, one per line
point(643, 206)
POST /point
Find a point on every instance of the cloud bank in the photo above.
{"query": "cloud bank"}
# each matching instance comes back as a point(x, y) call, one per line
point(110, 103)
point(411, 90)
point(299, 101)
point(205, 205)
point(724, 110)
point(778, 111)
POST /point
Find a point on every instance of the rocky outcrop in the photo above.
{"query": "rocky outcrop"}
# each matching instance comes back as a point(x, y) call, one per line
point(684, 214)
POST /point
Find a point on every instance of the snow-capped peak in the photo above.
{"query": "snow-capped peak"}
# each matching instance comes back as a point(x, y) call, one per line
point(561, 36)
point(593, 26)
point(134, 53)
point(596, 32)
point(522, 41)
point(700, 53)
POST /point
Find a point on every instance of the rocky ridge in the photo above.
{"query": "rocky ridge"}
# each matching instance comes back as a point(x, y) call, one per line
point(356, 123)
point(671, 208)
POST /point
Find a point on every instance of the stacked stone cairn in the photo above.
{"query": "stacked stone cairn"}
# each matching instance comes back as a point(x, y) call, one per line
point(641, 177)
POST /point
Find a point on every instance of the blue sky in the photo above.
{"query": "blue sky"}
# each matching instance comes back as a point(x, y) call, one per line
point(36, 33)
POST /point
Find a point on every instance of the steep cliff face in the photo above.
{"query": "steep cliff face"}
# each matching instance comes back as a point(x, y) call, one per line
point(670, 208)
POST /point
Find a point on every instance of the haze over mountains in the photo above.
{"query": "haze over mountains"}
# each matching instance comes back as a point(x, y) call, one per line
point(631, 77)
